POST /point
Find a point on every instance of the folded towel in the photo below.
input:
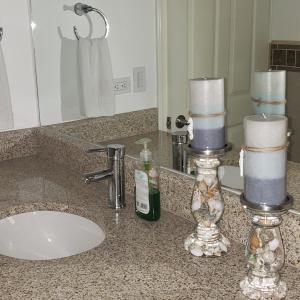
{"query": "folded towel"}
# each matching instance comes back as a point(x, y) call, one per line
point(95, 72)
point(71, 105)
point(6, 113)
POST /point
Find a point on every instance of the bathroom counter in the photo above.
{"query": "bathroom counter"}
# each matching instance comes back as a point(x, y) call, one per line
point(137, 260)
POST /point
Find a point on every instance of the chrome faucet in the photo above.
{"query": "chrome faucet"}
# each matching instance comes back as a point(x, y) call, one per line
point(114, 173)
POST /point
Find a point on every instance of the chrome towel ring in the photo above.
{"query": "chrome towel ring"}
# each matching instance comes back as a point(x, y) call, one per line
point(82, 9)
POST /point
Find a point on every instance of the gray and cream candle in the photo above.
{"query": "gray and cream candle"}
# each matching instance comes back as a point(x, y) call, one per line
point(207, 112)
point(268, 92)
point(265, 159)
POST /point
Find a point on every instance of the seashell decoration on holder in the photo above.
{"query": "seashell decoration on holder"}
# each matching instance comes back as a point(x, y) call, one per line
point(206, 128)
point(265, 252)
point(207, 208)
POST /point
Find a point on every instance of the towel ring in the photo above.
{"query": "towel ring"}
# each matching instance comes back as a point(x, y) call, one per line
point(82, 9)
point(1, 33)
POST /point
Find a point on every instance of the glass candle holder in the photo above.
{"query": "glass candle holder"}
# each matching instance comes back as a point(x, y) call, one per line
point(264, 252)
point(207, 209)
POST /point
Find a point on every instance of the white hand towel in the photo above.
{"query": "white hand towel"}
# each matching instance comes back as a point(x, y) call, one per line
point(96, 76)
point(71, 94)
point(6, 113)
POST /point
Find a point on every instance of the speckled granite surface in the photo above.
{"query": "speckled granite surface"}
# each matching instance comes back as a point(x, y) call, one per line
point(137, 260)
point(18, 143)
point(58, 140)
point(38, 183)
point(70, 151)
point(176, 190)
point(235, 224)
point(109, 128)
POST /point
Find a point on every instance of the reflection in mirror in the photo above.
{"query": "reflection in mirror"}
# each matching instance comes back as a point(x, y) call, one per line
point(196, 38)
point(75, 77)
point(68, 73)
point(224, 39)
point(6, 114)
point(232, 39)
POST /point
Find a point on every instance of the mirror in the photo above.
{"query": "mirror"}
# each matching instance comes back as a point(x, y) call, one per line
point(211, 38)
point(228, 38)
point(231, 39)
point(69, 73)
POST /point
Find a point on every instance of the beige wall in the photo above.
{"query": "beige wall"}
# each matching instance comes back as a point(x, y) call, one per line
point(18, 55)
point(286, 20)
point(219, 38)
point(132, 43)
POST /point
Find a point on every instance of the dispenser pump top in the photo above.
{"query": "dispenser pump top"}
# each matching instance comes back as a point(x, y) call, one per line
point(145, 154)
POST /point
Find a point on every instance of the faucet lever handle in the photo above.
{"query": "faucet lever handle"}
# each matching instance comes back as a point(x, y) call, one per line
point(95, 150)
point(116, 150)
point(112, 150)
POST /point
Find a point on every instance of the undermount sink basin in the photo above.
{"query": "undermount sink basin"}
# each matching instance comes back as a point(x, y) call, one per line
point(44, 235)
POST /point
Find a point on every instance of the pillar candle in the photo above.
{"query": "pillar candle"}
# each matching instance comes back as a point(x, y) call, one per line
point(207, 98)
point(269, 86)
point(265, 172)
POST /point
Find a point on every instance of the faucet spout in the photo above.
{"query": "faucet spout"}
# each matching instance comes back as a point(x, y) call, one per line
point(97, 176)
point(114, 174)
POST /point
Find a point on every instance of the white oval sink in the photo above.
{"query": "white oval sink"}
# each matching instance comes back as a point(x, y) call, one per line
point(45, 235)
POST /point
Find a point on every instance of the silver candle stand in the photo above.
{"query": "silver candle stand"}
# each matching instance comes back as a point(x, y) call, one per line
point(207, 205)
point(265, 252)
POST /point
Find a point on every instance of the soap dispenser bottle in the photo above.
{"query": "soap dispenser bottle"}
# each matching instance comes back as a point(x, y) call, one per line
point(147, 195)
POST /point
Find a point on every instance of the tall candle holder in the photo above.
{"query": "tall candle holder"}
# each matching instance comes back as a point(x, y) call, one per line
point(265, 251)
point(207, 205)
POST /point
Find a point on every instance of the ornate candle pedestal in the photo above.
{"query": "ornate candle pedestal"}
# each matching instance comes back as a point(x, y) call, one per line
point(207, 206)
point(265, 252)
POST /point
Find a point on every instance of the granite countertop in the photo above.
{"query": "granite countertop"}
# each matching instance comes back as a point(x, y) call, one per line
point(137, 260)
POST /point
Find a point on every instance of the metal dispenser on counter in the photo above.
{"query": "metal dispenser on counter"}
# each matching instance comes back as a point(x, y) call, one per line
point(179, 142)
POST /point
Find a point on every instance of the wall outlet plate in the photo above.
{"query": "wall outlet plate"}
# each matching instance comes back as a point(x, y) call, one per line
point(122, 85)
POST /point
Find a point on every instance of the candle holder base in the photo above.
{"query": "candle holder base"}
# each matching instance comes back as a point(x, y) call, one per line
point(263, 288)
point(265, 251)
point(209, 152)
point(207, 241)
point(207, 206)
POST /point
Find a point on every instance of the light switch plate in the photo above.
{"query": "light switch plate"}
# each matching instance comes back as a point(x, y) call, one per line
point(139, 79)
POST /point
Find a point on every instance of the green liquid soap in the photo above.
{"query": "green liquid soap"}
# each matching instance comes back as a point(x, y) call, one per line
point(147, 166)
point(147, 195)
point(154, 204)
